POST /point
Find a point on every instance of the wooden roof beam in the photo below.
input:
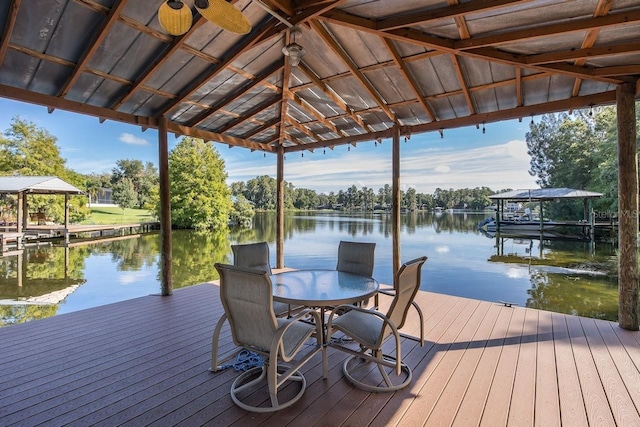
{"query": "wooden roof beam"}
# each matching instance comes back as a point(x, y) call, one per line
point(332, 95)
point(9, 23)
point(582, 54)
point(598, 22)
point(489, 54)
point(251, 112)
point(286, 77)
point(107, 25)
point(108, 114)
point(176, 44)
point(337, 49)
point(245, 44)
point(455, 11)
point(309, 108)
point(302, 128)
point(602, 8)
point(237, 93)
point(268, 125)
point(496, 116)
point(397, 59)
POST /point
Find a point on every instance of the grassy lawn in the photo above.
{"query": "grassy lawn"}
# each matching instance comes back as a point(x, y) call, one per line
point(118, 216)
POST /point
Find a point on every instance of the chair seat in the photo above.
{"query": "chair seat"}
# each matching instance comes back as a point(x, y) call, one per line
point(296, 335)
point(362, 327)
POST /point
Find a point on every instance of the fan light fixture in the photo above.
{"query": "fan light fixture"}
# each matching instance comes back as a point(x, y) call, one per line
point(176, 18)
point(294, 51)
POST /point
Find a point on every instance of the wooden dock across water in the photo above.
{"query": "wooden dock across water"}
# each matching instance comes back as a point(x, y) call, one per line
point(145, 362)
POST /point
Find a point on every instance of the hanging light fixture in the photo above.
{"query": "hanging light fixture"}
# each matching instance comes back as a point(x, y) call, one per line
point(224, 15)
point(294, 51)
point(175, 17)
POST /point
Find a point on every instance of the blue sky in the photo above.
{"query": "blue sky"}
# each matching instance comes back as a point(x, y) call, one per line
point(464, 158)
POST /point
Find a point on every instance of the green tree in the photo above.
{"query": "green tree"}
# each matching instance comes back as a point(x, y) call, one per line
point(242, 212)
point(200, 197)
point(124, 194)
point(144, 178)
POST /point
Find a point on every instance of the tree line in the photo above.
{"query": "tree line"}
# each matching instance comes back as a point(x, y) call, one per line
point(261, 192)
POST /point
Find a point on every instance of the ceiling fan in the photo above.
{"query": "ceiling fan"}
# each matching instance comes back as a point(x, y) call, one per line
point(176, 18)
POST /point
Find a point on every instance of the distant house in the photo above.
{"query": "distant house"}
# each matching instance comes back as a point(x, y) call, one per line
point(103, 198)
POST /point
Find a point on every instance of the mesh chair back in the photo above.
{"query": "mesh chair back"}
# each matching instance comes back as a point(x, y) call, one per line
point(356, 257)
point(406, 288)
point(248, 303)
point(252, 255)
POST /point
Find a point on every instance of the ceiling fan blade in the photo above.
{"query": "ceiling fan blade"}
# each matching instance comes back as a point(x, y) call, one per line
point(224, 15)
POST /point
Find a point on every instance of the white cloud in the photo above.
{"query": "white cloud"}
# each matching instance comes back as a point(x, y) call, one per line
point(92, 166)
point(131, 139)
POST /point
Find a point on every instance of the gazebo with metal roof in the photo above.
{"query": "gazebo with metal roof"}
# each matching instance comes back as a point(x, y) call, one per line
point(21, 186)
point(372, 70)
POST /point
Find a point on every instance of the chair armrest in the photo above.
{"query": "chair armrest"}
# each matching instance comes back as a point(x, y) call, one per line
point(276, 343)
point(385, 319)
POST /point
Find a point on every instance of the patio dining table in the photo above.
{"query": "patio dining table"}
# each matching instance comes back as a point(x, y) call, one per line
point(322, 288)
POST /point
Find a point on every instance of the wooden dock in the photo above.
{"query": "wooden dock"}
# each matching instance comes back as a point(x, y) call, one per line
point(38, 233)
point(145, 362)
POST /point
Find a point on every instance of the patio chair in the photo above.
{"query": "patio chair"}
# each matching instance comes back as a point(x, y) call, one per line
point(247, 298)
point(357, 258)
point(371, 329)
point(254, 256)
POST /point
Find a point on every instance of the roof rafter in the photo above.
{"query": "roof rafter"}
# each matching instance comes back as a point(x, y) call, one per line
point(255, 36)
point(94, 44)
point(602, 8)
point(332, 95)
point(173, 47)
point(459, 47)
point(237, 93)
point(337, 49)
point(105, 113)
point(397, 59)
point(308, 107)
point(302, 128)
point(252, 112)
point(456, 10)
point(8, 28)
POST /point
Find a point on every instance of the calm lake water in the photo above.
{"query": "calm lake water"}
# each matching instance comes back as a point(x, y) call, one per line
point(561, 276)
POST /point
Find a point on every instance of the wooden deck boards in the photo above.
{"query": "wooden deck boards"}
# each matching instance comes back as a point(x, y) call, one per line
point(146, 362)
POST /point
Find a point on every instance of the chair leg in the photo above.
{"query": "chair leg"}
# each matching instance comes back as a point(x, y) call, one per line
point(325, 367)
point(214, 343)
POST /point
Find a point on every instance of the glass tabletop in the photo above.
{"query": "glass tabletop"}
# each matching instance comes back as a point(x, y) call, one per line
point(321, 288)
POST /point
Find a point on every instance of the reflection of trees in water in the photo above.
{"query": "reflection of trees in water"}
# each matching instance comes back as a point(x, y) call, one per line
point(364, 223)
point(589, 297)
point(14, 314)
point(41, 270)
point(194, 256)
point(134, 253)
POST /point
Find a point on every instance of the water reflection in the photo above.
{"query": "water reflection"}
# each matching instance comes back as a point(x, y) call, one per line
point(570, 277)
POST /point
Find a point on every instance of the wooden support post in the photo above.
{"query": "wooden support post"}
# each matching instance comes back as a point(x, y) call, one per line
point(21, 219)
point(395, 192)
point(165, 208)
point(280, 208)
point(627, 208)
point(66, 218)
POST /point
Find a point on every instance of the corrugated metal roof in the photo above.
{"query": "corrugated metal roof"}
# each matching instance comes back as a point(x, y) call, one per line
point(36, 185)
point(545, 194)
point(424, 65)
